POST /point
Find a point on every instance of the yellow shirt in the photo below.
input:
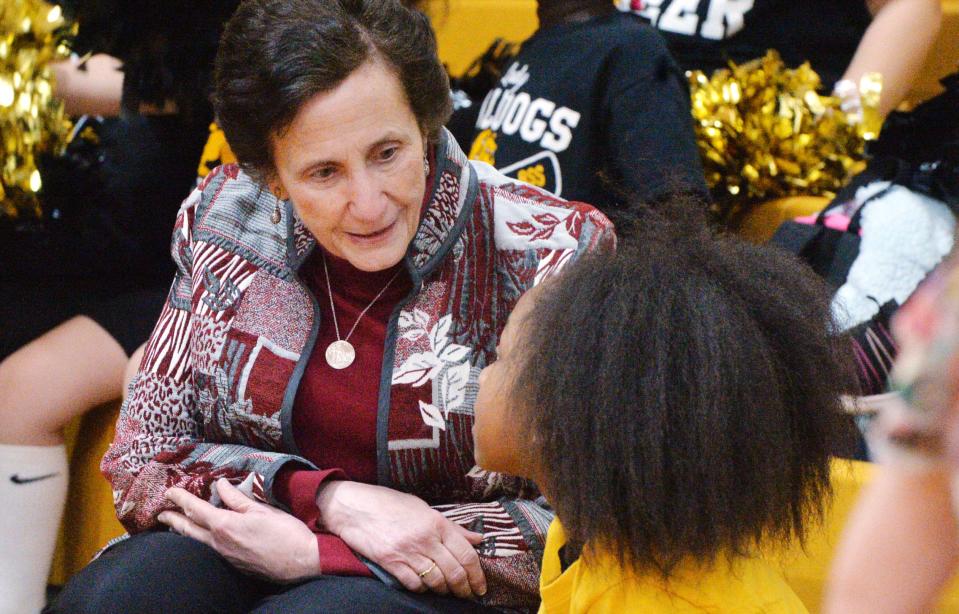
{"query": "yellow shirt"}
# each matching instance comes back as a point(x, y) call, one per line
point(750, 585)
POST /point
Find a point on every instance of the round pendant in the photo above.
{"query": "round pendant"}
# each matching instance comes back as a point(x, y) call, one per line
point(340, 354)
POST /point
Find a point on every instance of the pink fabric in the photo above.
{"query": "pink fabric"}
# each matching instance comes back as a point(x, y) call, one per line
point(836, 221)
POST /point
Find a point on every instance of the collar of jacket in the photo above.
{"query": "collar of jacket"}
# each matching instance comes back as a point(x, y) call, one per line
point(452, 187)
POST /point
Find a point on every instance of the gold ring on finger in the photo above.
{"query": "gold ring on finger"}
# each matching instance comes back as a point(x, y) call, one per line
point(423, 574)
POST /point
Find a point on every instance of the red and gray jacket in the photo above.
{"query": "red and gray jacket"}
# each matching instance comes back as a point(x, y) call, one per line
point(214, 394)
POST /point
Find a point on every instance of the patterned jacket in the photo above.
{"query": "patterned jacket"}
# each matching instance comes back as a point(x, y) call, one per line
point(214, 394)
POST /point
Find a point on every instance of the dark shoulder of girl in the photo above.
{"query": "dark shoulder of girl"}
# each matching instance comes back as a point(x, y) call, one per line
point(569, 553)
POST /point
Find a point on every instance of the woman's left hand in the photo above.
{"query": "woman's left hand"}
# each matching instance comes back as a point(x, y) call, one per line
point(254, 537)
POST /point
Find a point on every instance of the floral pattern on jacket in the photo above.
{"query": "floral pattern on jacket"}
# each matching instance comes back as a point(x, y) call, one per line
point(214, 394)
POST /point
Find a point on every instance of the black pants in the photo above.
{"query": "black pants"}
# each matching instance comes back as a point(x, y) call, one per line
point(28, 310)
point(166, 573)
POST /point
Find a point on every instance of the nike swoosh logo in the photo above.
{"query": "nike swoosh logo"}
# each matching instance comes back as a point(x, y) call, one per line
point(16, 479)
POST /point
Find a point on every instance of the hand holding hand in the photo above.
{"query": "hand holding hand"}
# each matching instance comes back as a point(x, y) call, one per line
point(254, 537)
point(402, 534)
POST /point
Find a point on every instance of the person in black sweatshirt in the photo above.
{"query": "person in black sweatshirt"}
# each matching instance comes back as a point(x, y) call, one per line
point(592, 106)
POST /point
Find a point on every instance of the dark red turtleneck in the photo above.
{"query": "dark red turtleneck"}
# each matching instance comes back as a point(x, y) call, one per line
point(335, 411)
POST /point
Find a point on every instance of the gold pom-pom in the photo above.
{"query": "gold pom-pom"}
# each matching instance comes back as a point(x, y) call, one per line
point(764, 132)
point(32, 121)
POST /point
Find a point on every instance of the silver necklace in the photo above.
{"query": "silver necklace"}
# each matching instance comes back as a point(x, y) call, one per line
point(340, 354)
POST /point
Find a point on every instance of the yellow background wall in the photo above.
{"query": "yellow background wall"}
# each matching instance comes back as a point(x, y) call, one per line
point(944, 57)
point(465, 28)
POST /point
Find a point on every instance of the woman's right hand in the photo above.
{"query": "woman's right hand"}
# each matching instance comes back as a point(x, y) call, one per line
point(404, 536)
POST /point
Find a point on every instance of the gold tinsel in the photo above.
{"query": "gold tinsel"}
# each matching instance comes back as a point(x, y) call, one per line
point(32, 121)
point(764, 132)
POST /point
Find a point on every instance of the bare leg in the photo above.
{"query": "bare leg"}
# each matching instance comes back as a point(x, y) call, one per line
point(43, 385)
point(58, 376)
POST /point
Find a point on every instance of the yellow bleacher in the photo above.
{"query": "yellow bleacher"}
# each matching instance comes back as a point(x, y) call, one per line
point(806, 568)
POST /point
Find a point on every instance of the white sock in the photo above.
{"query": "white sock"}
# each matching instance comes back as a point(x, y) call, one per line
point(33, 488)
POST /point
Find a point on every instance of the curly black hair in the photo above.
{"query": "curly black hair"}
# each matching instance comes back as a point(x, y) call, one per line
point(275, 55)
point(683, 394)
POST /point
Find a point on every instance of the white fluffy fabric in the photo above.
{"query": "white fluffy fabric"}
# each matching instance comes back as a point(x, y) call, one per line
point(33, 488)
point(904, 236)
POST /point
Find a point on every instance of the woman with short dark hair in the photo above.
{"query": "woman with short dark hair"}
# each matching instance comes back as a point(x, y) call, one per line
point(269, 66)
point(303, 411)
